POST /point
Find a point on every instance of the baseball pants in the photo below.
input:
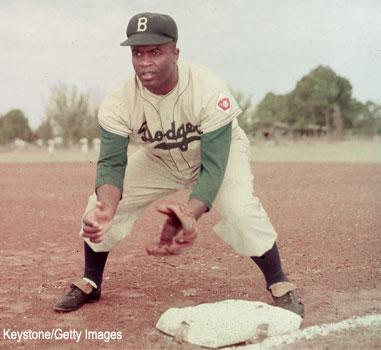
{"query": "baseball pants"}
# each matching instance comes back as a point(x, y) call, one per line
point(244, 224)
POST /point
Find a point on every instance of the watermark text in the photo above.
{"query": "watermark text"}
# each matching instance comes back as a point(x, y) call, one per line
point(61, 334)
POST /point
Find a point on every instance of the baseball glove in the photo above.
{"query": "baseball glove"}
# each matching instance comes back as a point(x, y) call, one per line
point(179, 230)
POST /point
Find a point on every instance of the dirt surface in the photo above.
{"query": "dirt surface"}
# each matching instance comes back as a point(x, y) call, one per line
point(328, 219)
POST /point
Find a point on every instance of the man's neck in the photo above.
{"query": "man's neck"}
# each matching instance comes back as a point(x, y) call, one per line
point(169, 85)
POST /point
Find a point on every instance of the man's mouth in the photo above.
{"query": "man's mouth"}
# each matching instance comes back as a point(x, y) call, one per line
point(147, 76)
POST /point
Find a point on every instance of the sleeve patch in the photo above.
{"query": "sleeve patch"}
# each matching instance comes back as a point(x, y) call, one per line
point(224, 103)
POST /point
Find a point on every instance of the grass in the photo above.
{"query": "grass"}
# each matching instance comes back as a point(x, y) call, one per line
point(33, 156)
point(340, 152)
point(37, 155)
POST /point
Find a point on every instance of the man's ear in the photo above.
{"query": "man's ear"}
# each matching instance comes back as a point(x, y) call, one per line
point(176, 52)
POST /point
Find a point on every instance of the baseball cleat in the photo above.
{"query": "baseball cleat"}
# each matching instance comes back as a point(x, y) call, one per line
point(81, 292)
point(284, 296)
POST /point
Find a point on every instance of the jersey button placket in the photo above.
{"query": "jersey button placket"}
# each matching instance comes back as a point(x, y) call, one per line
point(166, 122)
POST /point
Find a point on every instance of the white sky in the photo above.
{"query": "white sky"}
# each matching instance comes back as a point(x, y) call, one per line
point(257, 45)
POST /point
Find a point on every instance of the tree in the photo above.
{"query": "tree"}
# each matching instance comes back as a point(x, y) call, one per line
point(68, 113)
point(341, 103)
point(92, 126)
point(323, 98)
point(246, 120)
point(13, 125)
point(368, 119)
point(45, 130)
point(273, 108)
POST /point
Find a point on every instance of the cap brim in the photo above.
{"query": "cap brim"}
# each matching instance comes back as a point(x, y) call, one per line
point(146, 39)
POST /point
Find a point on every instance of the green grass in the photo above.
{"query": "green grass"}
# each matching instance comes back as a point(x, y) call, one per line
point(33, 156)
point(339, 152)
point(347, 152)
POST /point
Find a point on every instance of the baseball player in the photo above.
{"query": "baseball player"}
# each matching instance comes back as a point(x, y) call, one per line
point(185, 118)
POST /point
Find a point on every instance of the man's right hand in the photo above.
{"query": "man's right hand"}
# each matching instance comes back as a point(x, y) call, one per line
point(97, 222)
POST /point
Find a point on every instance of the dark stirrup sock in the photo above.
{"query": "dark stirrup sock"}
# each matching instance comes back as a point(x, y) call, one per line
point(94, 264)
point(271, 267)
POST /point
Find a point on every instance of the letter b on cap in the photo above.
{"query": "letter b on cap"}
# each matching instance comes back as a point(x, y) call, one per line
point(142, 24)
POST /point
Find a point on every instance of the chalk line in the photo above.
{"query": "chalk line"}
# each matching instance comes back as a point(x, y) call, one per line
point(314, 331)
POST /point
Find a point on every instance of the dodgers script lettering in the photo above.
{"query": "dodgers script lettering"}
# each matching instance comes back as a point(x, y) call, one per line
point(181, 136)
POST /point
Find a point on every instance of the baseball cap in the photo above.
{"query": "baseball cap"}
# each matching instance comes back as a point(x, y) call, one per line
point(150, 29)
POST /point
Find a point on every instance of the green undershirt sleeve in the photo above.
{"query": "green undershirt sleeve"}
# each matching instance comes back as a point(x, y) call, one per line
point(215, 147)
point(112, 161)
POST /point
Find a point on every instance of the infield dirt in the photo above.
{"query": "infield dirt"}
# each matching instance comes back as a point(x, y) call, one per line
point(328, 220)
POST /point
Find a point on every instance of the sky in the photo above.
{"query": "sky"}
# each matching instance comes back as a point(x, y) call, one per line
point(258, 46)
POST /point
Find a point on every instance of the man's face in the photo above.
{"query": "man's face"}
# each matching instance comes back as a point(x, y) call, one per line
point(156, 66)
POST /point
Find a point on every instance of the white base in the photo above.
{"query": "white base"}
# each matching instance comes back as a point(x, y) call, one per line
point(227, 322)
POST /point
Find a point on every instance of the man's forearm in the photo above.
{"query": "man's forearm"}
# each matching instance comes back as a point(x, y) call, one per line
point(110, 195)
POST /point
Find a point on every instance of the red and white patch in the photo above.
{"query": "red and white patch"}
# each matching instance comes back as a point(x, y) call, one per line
point(224, 103)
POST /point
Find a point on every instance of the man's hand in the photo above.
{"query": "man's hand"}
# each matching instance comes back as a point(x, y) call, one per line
point(171, 227)
point(97, 222)
point(179, 230)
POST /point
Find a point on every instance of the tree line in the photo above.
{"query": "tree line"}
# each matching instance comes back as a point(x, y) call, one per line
point(68, 116)
point(320, 99)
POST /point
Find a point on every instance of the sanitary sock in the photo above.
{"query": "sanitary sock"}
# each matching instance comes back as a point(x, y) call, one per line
point(94, 264)
point(271, 267)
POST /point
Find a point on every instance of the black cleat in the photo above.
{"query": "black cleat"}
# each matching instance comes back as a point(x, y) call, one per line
point(284, 296)
point(81, 292)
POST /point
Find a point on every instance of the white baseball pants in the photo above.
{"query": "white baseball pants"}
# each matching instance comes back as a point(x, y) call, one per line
point(244, 224)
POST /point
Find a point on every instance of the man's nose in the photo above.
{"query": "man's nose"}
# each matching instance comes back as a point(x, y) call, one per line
point(145, 61)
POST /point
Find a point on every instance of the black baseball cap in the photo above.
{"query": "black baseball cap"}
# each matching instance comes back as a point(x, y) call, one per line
point(150, 29)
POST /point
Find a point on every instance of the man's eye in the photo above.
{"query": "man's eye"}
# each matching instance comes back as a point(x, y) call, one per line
point(156, 52)
point(136, 53)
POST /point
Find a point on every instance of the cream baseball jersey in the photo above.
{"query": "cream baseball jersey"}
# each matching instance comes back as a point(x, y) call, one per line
point(169, 127)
